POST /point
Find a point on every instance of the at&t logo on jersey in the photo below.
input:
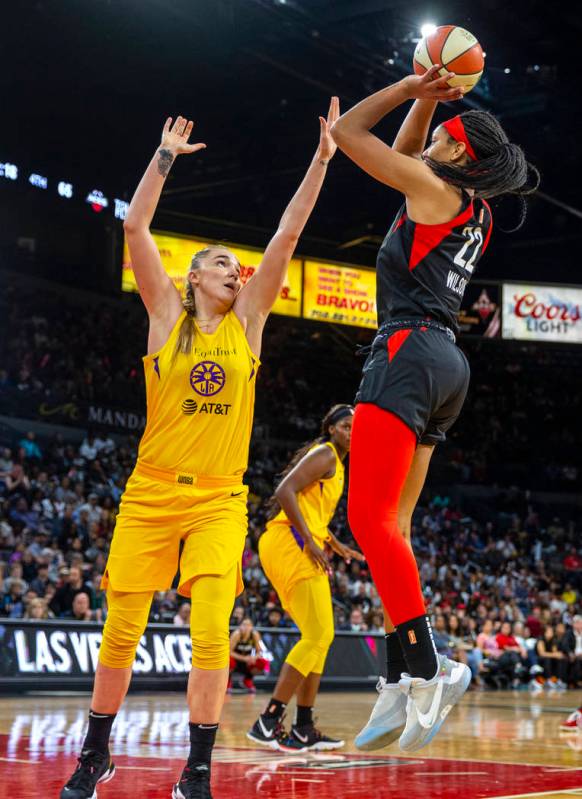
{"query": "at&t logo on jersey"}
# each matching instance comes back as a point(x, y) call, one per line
point(190, 407)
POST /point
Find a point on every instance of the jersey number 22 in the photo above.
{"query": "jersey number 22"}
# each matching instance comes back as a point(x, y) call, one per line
point(474, 236)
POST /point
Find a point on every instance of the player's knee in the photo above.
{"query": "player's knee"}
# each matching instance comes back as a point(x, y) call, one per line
point(327, 636)
point(121, 635)
point(210, 654)
point(210, 641)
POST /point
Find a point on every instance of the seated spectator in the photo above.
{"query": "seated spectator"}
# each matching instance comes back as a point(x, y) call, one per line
point(375, 622)
point(71, 585)
point(12, 602)
point(81, 609)
point(238, 614)
point(30, 446)
point(553, 661)
point(572, 646)
point(37, 609)
point(15, 574)
point(276, 618)
point(182, 617)
point(41, 581)
point(442, 640)
point(356, 623)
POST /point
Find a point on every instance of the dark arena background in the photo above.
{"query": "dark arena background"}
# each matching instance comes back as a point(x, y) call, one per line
point(86, 87)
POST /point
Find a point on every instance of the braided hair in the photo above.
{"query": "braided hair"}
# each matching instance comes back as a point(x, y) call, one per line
point(331, 417)
point(187, 328)
point(501, 166)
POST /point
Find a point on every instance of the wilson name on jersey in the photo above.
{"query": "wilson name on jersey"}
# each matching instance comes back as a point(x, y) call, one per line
point(423, 270)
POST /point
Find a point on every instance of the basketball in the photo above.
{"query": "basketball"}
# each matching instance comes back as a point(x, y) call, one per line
point(456, 50)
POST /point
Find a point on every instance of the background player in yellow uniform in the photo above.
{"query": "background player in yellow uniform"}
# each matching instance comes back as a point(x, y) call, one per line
point(187, 485)
point(292, 555)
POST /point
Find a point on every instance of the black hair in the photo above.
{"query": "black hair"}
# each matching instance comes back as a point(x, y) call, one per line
point(334, 415)
point(501, 166)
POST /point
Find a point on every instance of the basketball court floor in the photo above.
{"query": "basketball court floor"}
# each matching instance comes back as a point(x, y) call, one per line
point(495, 745)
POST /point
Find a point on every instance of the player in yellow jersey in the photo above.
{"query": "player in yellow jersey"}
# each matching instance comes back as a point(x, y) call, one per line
point(292, 555)
point(186, 489)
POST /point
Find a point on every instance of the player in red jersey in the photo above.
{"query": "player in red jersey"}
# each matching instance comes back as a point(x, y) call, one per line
point(415, 379)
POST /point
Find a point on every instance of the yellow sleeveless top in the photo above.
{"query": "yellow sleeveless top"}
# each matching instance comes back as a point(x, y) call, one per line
point(318, 502)
point(200, 406)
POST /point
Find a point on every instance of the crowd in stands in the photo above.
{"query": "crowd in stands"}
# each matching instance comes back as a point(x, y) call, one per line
point(502, 577)
point(504, 594)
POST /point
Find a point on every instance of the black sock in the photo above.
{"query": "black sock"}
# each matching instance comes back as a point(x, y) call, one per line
point(97, 737)
point(275, 709)
point(304, 716)
point(395, 663)
point(418, 647)
point(202, 737)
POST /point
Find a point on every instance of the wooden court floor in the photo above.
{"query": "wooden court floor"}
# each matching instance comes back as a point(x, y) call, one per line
point(495, 746)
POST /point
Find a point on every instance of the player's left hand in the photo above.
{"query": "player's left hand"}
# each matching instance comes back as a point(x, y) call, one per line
point(431, 86)
point(348, 554)
point(327, 146)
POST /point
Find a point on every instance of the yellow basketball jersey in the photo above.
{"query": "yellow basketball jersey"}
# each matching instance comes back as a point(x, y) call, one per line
point(318, 501)
point(200, 406)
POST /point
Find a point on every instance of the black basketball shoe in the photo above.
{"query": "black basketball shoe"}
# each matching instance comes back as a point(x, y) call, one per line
point(267, 731)
point(308, 738)
point(93, 768)
point(194, 784)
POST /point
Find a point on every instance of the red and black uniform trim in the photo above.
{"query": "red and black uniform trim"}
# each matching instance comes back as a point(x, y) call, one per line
point(415, 371)
point(422, 270)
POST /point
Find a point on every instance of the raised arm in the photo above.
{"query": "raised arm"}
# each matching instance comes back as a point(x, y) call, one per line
point(257, 297)
point(411, 138)
point(160, 297)
point(390, 165)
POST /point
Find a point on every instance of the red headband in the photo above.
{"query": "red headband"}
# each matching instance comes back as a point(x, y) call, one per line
point(456, 130)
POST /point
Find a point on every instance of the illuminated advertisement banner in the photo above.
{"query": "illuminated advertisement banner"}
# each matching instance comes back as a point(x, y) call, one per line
point(480, 313)
point(176, 254)
point(64, 654)
point(341, 294)
point(542, 313)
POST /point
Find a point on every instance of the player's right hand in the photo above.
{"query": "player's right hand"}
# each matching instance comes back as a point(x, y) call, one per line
point(317, 555)
point(431, 86)
point(175, 137)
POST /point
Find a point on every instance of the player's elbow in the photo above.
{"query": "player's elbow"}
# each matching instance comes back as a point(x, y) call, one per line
point(340, 131)
point(337, 131)
point(129, 226)
point(288, 236)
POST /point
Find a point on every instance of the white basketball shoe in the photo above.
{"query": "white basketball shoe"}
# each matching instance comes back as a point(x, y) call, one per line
point(431, 701)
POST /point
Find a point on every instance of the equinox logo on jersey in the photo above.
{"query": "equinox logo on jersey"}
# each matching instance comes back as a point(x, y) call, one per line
point(207, 378)
point(190, 407)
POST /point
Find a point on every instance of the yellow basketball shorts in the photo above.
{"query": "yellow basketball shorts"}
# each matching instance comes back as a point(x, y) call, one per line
point(283, 560)
point(159, 510)
point(305, 593)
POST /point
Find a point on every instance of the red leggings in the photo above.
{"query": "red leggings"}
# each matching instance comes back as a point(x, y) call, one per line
point(381, 453)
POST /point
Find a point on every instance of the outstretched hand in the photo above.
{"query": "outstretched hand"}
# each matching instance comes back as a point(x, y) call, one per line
point(431, 86)
point(175, 137)
point(327, 146)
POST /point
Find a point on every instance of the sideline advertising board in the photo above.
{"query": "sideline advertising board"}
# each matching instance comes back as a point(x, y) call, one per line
point(542, 313)
point(176, 253)
point(341, 294)
point(480, 313)
point(59, 654)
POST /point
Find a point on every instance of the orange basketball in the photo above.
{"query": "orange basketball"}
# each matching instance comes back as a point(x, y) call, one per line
point(456, 50)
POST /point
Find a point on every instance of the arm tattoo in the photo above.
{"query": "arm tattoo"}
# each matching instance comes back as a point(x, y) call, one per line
point(165, 161)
